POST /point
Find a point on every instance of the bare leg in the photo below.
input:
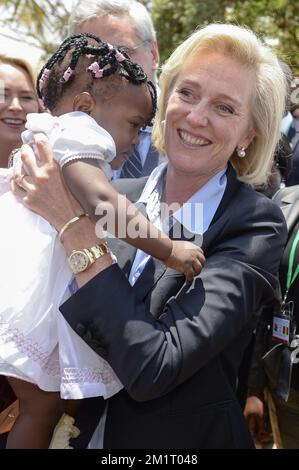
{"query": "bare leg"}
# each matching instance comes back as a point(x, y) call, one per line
point(38, 415)
point(71, 407)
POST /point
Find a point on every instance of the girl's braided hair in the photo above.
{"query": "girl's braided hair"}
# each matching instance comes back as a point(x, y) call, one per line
point(64, 70)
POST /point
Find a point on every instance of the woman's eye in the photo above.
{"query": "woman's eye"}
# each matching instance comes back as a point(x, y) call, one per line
point(184, 92)
point(27, 98)
point(225, 109)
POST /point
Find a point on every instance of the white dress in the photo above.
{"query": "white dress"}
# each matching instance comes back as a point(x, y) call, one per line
point(36, 343)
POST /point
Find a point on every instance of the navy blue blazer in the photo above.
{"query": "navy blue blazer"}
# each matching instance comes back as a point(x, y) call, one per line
point(175, 347)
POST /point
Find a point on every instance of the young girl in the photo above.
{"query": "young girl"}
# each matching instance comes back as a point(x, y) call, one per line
point(99, 100)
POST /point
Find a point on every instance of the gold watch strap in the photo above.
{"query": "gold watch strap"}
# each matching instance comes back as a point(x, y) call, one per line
point(99, 250)
point(89, 255)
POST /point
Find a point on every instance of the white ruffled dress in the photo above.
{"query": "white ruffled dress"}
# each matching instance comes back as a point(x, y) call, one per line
point(36, 343)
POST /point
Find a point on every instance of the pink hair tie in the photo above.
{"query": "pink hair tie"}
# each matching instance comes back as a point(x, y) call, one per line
point(119, 56)
point(67, 74)
point(95, 69)
point(42, 105)
point(43, 79)
point(41, 83)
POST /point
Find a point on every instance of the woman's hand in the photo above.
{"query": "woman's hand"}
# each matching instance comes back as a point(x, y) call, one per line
point(44, 191)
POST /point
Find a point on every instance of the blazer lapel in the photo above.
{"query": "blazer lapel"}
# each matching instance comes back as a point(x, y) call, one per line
point(125, 255)
point(151, 273)
point(154, 268)
point(232, 186)
point(288, 201)
point(124, 252)
point(290, 212)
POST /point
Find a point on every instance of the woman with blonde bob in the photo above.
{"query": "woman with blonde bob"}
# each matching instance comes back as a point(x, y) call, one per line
point(176, 347)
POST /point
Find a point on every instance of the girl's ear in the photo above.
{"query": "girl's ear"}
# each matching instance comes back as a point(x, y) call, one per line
point(84, 102)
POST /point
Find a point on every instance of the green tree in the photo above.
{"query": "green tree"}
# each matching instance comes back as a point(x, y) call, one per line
point(277, 21)
point(274, 20)
point(175, 20)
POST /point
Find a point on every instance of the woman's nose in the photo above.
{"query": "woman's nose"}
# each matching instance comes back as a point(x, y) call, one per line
point(15, 103)
point(198, 115)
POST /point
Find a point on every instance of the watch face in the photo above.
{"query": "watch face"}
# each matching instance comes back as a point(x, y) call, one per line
point(78, 261)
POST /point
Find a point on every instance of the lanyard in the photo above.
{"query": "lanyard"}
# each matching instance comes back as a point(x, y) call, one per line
point(292, 275)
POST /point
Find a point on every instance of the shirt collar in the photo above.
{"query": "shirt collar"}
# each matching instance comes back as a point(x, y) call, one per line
point(197, 213)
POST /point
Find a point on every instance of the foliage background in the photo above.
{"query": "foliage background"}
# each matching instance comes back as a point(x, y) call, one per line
point(44, 22)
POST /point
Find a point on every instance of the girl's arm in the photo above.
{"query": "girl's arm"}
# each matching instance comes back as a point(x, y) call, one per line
point(100, 200)
point(103, 203)
point(185, 257)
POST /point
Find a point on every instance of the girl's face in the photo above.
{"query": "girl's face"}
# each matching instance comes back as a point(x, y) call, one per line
point(17, 99)
point(123, 115)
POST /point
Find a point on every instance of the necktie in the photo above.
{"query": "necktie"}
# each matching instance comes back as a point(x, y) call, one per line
point(132, 168)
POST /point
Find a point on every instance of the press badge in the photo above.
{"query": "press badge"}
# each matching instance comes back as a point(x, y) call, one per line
point(283, 327)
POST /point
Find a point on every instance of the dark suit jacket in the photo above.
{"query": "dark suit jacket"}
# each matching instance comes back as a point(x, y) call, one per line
point(177, 348)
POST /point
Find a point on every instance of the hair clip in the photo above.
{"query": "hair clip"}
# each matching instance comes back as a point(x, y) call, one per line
point(95, 69)
point(67, 74)
point(43, 78)
point(110, 47)
point(119, 56)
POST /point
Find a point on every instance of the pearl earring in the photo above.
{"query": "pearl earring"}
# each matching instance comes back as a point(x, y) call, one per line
point(163, 124)
point(241, 152)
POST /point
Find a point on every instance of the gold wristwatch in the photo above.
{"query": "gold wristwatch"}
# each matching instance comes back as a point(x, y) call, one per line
point(80, 260)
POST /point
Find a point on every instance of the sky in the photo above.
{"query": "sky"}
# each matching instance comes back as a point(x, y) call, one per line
point(15, 48)
point(19, 49)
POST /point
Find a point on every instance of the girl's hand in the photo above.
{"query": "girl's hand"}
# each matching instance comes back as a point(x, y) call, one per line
point(44, 191)
point(187, 258)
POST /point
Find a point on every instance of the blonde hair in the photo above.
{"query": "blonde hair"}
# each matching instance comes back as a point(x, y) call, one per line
point(268, 97)
point(21, 63)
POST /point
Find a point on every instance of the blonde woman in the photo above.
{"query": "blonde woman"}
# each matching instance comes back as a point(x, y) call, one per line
point(177, 348)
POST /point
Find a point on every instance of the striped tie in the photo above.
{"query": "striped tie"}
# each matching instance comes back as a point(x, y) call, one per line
point(132, 168)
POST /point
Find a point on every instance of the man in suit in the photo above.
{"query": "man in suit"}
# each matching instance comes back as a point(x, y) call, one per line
point(127, 24)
